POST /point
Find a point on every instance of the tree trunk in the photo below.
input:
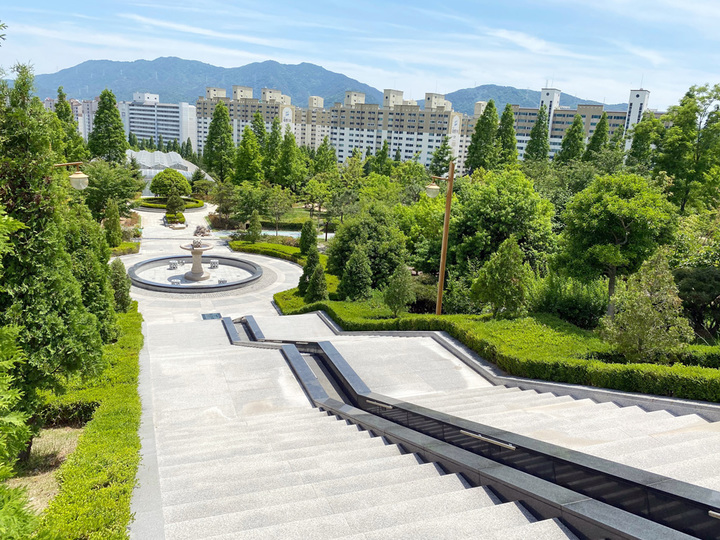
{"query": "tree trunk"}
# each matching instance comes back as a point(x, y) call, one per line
point(612, 275)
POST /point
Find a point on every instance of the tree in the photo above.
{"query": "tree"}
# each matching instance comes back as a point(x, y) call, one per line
point(248, 166)
point(290, 169)
point(649, 323)
point(175, 203)
point(311, 261)
point(598, 140)
point(254, 231)
point(399, 291)
point(317, 286)
point(381, 163)
point(308, 237)
point(106, 182)
point(74, 145)
point(507, 141)
point(132, 141)
point(376, 231)
point(161, 143)
point(279, 203)
point(107, 139)
point(699, 289)
point(356, 282)
point(504, 281)
point(271, 157)
point(573, 143)
point(325, 159)
point(219, 150)
point(225, 196)
point(538, 146)
point(113, 231)
point(258, 128)
point(169, 180)
point(120, 282)
point(441, 158)
point(645, 135)
point(249, 197)
point(397, 158)
point(316, 192)
point(614, 225)
point(483, 149)
point(690, 148)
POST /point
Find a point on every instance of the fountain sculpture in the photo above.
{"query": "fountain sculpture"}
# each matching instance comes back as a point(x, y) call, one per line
point(196, 249)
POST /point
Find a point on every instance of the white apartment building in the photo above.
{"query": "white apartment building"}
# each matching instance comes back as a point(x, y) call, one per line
point(146, 117)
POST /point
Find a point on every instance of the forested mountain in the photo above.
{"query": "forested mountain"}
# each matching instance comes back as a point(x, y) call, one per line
point(178, 80)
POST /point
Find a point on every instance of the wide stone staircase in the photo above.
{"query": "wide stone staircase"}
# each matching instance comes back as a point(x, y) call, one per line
point(685, 447)
point(299, 473)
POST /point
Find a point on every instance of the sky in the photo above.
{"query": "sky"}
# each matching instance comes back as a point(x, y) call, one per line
point(593, 49)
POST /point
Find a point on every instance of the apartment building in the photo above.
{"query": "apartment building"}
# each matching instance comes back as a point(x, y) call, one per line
point(146, 117)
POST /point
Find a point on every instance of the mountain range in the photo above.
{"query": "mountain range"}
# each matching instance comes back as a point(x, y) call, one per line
point(176, 80)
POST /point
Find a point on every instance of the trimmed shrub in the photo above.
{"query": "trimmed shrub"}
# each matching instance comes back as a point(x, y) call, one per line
point(175, 218)
point(126, 248)
point(313, 260)
point(113, 231)
point(120, 282)
point(175, 204)
point(399, 291)
point(161, 202)
point(317, 286)
point(356, 281)
point(254, 231)
point(308, 236)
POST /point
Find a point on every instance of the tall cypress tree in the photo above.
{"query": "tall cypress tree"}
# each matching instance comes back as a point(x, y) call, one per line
point(249, 159)
point(573, 143)
point(219, 151)
point(598, 140)
point(507, 141)
point(483, 150)
point(271, 155)
point(538, 147)
point(75, 148)
point(107, 139)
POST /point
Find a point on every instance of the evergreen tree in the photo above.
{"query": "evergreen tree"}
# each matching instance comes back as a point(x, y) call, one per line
point(573, 143)
point(325, 159)
point(441, 158)
point(308, 237)
point(150, 143)
point(317, 286)
point(161, 143)
point(107, 139)
point(507, 141)
point(398, 156)
point(356, 282)
point(290, 169)
point(644, 135)
point(381, 163)
point(169, 180)
point(113, 231)
point(399, 291)
point(598, 140)
point(132, 141)
point(271, 156)
point(483, 149)
point(219, 152)
point(254, 231)
point(175, 203)
point(248, 166)
point(74, 148)
point(311, 261)
point(538, 147)
point(368, 163)
point(120, 282)
point(258, 128)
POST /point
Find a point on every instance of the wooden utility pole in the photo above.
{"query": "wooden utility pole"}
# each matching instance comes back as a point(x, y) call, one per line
point(446, 230)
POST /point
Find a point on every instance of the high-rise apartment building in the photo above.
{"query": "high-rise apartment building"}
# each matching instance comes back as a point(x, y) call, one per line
point(146, 117)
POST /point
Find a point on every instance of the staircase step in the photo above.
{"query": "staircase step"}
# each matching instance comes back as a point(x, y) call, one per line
point(547, 529)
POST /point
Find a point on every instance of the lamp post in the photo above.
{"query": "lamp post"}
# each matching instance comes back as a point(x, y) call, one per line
point(78, 179)
point(432, 191)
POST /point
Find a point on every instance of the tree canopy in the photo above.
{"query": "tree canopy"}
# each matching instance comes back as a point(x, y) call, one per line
point(107, 138)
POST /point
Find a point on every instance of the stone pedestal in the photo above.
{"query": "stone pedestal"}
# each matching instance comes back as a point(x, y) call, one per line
point(196, 273)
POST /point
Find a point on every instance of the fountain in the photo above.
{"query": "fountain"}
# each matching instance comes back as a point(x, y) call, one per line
point(196, 249)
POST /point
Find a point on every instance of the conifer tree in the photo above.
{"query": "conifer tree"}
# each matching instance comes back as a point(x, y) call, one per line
point(248, 166)
point(161, 143)
point(356, 281)
point(74, 148)
point(311, 261)
point(399, 291)
point(483, 150)
point(441, 158)
point(644, 135)
point(507, 141)
point(272, 150)
point(113, 231)
point(308, 237)
point(290, 169)
point(258, 128)
point(398, 156)
point(317, 286)
point(132, 141)
point(219, 150)
point(107, 139)
point(598, 140)
point(325, 159)
point(573, 143)
point(120, 282)
point(538, 147)
point(381, 163)
point(254, 231)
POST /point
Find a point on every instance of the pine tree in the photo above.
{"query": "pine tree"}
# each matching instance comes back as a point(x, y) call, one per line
point(258, 128)
point(107, 139)
point(254, 231)
point(356, 281)
point(248, 166)
point(538, 147)
point(113, 231)
point(271, 156)
point(308, 237)
point(441, 158)
point(219, 151)
point(317, 286)
point(598, 140)
point(483, 149)
point(120, 282)
point(75, 148)
point(573, 143)
point(175, 203)
point(311, 261)
point(507, 141)
point(399, 291)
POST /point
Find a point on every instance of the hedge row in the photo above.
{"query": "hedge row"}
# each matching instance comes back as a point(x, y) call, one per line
point(175, 218)
point(540, 347)
point(125, 248)
point(97, 480)
point(159, 202)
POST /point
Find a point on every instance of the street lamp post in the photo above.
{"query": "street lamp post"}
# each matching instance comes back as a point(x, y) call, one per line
point(78, 179)
point(432, 191)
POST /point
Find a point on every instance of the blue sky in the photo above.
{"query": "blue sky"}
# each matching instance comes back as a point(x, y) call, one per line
point(595, 49)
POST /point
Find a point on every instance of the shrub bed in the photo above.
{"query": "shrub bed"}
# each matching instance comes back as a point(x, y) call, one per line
point(125, 248)
point(159, 202)
point(175, 218)
point(97, 480)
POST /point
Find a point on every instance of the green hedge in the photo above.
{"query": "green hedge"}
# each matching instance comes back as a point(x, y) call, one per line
point(175, 218)
point(97, 480)
point(125, 248)
point(159, 202)
point(538, 347)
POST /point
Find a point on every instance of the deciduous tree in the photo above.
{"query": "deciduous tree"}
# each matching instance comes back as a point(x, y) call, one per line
point(248, 166)
point(507, 141)
point(573, 143)
point(399, 291)
point(483, 150)
point(219, 150)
